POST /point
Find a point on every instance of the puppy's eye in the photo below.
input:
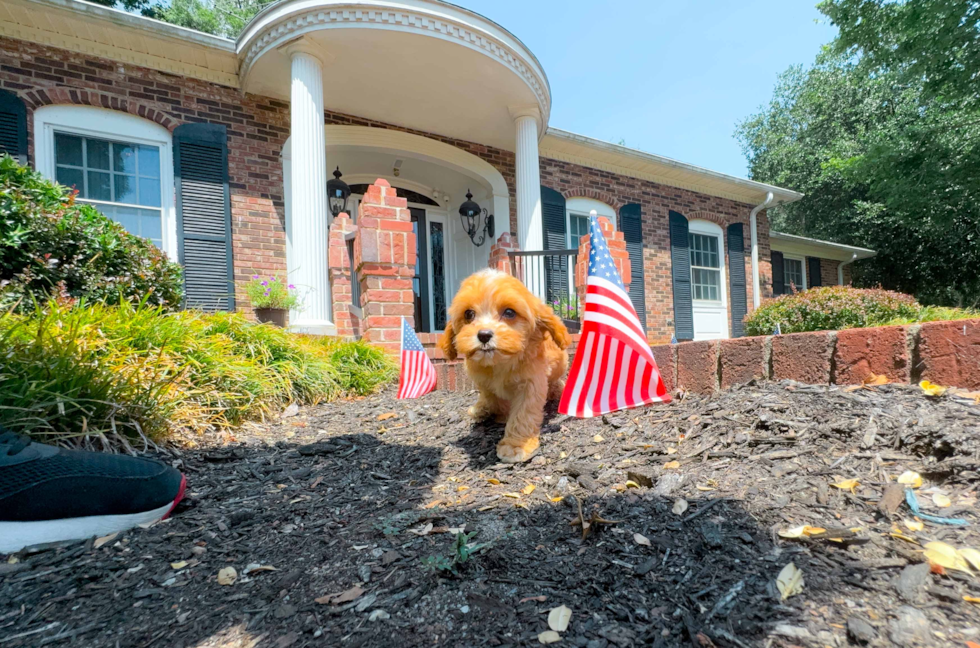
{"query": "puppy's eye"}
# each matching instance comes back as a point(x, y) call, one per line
point(509, 313)
point(469, 315)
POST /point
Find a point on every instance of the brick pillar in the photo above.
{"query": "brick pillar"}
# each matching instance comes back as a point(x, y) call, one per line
point(384, 256)
point(616, 242)
point(498, 253)
point(339, 269)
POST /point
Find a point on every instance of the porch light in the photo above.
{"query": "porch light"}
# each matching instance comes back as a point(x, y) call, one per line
point(469, 216)
point(337, 194)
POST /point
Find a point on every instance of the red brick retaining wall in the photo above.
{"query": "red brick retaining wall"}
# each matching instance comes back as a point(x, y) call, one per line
point(946, 353)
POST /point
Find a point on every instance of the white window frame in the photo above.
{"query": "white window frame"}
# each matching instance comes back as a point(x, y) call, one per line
point(115, 126)
point(802, 260)
point(583, 207)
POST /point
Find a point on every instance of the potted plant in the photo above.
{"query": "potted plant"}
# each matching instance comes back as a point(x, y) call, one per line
point(271, 299)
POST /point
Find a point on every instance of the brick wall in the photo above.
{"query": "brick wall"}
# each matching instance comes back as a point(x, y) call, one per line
point(828, 272)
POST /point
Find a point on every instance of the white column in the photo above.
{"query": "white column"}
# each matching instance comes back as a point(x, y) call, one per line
point(308, 191)
point(530, 229)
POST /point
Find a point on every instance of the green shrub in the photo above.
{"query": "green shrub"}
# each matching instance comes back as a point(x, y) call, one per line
point(51, 245)
point(831, 308)
point(132, 371)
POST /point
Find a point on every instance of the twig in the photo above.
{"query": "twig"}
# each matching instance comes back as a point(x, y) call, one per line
point(726, 599)
point(30, 632)
point(702, 509)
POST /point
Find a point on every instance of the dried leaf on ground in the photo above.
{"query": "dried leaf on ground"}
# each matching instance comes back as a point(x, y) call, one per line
point(945, 555)
point(910, 478)
point(641, 539)
point(180, 564)
point(227, 576)
point(679, 507)
point(559, 618)
point(549, 637)
point(422, 530)
point(874, 380)
point(940, 500)
point(104, 540)
point(387, 415)
point(932, 389)
point(598, 438)
point(253, 568)
point(847, 484)
point(971, 555)
point(672, 465)
point(800, 531)
point(527, 490)
point(790, 581)
point(913, 525)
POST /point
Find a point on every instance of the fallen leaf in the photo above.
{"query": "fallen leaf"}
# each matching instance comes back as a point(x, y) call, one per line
point(539, 599)
point(494, 481)
point(227, 576)
point(422, 530)
point(672, 465)
point(671, 450)
point(513, 495)
point(344, 597)
point(527, 490)
point(104, 540)
point(180, 564)
point(641, 540)
point(559, 618)
point(874, 380)
point(252, 568)
point(292, 410)
point(972, 599)
point(432, 504)
point(944, 555)
point(790, 581)
point(913, 525)
point(631, 484)
point(847, 484)
point(387, 415)
point(800, 531)
point(910, 478)
point(557, 498)
point(941, 500)
point(704, 488)
point(598, 438)
point(898, 535)
point(679, 507)
point(460, 489)
point(932, 389)
point(549, 637)
point(971, 556)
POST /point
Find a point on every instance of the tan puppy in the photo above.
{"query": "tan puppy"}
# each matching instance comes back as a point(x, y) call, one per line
point(514, 347)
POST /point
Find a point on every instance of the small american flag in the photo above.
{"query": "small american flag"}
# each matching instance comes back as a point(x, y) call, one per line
point(613, 367)
point(418, 376)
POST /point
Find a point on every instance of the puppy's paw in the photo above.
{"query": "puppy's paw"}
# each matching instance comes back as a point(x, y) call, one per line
point(516, 451)
point(477, 412)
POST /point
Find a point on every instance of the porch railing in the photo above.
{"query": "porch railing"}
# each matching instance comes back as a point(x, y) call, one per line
point(550, 274)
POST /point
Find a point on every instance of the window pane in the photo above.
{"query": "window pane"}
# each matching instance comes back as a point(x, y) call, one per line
point(151, 226)
point(67, 149)
point(793, 273)
point(438, 275)
point(97, 152)
point(706, 284)
point(98, 186)
point(149, 192)
point(704, 250)
point(71, 178)
point(125, 188)
point(124, 158)
point(149, 159)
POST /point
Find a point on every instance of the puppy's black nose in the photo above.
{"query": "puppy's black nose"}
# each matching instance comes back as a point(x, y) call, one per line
point(484, 336)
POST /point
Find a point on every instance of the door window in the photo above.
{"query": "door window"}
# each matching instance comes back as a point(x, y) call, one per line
point(705, 267)
point(437, 243)
point(793, 274)
point(120, 179)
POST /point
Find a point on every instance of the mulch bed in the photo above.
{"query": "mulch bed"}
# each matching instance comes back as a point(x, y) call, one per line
point(357, 505)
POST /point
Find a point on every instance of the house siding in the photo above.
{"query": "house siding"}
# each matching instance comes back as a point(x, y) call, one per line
point(259, 126)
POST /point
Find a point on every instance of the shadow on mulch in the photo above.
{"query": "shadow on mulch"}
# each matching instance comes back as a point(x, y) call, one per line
point(340, 513)
point(480, 444)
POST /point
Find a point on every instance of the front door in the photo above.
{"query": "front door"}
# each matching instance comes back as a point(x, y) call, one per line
point(429, 280)
point(709, 305)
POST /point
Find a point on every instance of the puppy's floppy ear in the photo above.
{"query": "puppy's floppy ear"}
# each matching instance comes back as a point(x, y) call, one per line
point(447, 341)
point(548, 321)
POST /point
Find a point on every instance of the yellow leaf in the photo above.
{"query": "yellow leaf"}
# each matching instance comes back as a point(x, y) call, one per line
point(432, 504)
point(874, 379)
point(598, 438)
point(910, 478)
point(944, 555)
point(180, 564)
point(790, 581)
point(847, 484)
point(559, 618)
point(227, 576)
point(104, 540)
point(940, 500)
point(672, 465)
point(800, 531)
point(971, 556)
point(549, 637)
point(913, 525)
point(631, 484)
point(460, 489)
point(901, 536)
point(671, 450)
point(704, 488)
point(494, 481)
point(972, 599)
point(641, 540)
point(387, 415)
point(527, 490)
point(513, 495)
point(932, 389)
point(557, 498)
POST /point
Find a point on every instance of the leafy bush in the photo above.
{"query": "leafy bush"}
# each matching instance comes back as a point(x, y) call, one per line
point(271, 293)
point(51, 245)
point(831, 308)
point(137, 371)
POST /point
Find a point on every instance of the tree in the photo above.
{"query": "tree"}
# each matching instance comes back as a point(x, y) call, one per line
point(220, 17)
point(887, 155)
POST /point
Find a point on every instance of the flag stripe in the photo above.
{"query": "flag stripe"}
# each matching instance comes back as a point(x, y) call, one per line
point(417, 376)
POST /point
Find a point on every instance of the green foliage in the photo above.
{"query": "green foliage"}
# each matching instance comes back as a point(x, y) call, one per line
point(460, 552)
point(51, 245)
point(136, 370)
point(885, 145)
point(270, 292)
point(830, 308)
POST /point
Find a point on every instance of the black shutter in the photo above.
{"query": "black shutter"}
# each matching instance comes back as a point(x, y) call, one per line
point(680, 263)
point(738, 303)
point(778, 282)
point(204, 216)
point(13, 126)
point(813, 272)
point(630, 222)
point(555, 238)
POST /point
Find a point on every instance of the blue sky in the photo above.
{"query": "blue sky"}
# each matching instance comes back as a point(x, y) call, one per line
point(671, 77)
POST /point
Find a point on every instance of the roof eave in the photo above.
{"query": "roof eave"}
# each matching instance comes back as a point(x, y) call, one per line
point(850, 251)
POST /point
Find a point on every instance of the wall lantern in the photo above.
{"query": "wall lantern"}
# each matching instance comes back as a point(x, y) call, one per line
point(337, 194)
point(469, 216)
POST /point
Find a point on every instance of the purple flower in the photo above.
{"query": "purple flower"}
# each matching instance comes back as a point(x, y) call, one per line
point(292, 287)
point(265, 283)
point(255, 276)
point(266, 291)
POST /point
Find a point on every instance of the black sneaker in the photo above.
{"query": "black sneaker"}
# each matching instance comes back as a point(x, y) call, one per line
point(50, 494)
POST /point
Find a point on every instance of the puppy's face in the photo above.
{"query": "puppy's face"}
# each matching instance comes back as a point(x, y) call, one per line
point(495, 318)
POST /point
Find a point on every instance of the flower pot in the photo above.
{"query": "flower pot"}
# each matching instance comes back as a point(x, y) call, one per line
point(274, 316)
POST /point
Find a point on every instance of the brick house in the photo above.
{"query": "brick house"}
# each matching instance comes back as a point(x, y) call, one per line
point(220, 152)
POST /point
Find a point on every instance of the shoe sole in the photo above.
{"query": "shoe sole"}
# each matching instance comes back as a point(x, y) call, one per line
point(15, 536)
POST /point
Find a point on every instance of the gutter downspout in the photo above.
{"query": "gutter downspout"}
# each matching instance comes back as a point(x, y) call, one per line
point(754, 229)
point(840, 268)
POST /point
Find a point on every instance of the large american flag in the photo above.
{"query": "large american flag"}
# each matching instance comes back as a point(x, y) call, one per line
point(418, 376)
point(613, 367)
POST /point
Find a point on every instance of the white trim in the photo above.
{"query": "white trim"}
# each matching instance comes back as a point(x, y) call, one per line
point(115, 126)
point(802, 260)
point(707, 228)
point(582, 206)
point(780, 242)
